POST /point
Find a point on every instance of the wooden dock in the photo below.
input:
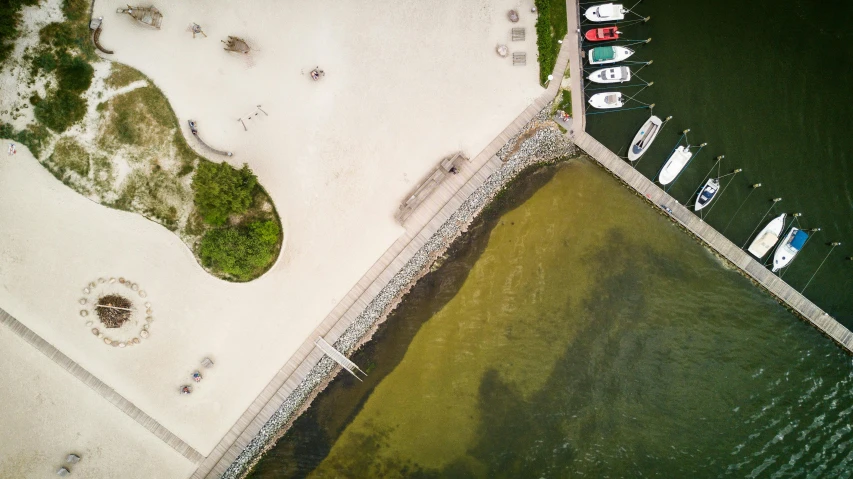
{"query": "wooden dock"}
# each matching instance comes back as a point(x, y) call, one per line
point(99, 387)
point(420, 225)
point(708, 235)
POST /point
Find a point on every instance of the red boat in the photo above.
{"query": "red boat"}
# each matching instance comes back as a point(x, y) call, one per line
point(602, 34)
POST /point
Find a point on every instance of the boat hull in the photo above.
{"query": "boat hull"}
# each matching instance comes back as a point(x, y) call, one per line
point(767, 238)
point(786, 251)
point(707, 195)
point(602, 34)
point(611, 75)
point(620, 53)
point(606, 101)
point(606, 12)
point(674, 165)
point(644, 138)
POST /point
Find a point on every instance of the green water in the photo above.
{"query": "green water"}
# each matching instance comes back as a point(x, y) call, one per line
point(767, 83)
point(581, 334)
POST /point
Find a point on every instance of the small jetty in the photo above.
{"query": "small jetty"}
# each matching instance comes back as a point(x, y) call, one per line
point(448, 166)
point(679, 213)
point(148, 16)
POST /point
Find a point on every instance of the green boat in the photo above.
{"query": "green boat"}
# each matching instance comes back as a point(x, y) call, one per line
point(601, 55)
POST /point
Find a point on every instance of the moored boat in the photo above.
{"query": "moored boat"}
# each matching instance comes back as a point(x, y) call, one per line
point(709, 191)
point(148, 16)
point(611, 75)
point(767, 238)
point(602, 55)
point(791, 245)
point(606, 12)
point(606, 100)
point(602, 34)
point(676, 162)
point(644, 138)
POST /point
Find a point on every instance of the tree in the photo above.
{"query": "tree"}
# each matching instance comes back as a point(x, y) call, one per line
point(221, 190)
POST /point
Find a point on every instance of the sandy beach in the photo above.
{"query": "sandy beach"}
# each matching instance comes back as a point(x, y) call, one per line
point(405, 85)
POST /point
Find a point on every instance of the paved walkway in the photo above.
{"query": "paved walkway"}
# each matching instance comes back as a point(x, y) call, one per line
point(420, 226)
point(98, 386)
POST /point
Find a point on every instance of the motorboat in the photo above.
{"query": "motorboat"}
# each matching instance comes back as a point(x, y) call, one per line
point(611, 99)
point(767, 238)
point(674, 165)
point(602, 55)
point(606, 12)
point(611, 75)
point(709, 191)
point(644, 138)
point(602, 34)
point(791, 245)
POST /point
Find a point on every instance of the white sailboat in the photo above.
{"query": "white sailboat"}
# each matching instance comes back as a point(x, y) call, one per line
point(709, 191)
point(791, 245)
point(607, 100)
point(644, 138)
point(606, 12)
point(611, 75)
point(602, 55)
point(768, 237)
point(674, 165)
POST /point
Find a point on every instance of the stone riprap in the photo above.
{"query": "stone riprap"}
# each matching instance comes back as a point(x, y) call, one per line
point(541, 141)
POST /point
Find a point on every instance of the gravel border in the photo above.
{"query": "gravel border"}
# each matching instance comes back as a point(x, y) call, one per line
point(541, 141)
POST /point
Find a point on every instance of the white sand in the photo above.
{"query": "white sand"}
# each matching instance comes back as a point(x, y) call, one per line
point(406, 83)
point(48, 414)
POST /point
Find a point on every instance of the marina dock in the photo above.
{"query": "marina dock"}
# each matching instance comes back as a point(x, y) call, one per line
point(635, 180)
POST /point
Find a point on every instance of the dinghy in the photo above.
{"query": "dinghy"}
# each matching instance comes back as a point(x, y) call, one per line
point(674, 165)
point(611, 75)
point(791, 245)
point(602, 34)
point(603, 101)
point(768, 237)
point(644, 138)
point(606, 12)
point(602, 55)
point(712, 186)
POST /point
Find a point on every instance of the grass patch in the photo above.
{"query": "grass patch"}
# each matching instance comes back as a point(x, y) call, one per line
point(122, 75)
point(10, 21)
point(241, 252)
point(222, 190)
point(143, 117)
point(565, 101)
point(551, 25)
point(35, 137)
point(60, 110)
point(68, 155)
point(72, 34)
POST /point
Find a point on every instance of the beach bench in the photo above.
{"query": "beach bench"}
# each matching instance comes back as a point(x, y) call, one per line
point(518, 34)
point(519, 59)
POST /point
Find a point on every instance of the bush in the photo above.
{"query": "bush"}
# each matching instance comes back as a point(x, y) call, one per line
point(60, 110)
point(10, 17)
point(74, 74)
point(551, 25)
point(222, 190)
point(240, 252)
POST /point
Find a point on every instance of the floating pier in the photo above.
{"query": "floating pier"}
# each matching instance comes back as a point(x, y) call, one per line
point(781, 290)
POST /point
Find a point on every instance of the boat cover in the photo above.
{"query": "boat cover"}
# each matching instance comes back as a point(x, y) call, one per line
point(603, 53)
point(606, 10)
point(799, 240)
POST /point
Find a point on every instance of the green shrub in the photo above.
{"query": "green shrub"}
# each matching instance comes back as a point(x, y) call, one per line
point(10, 19)
point(221, 190)
point(240, 252)
point(60, 110)
point(35, 137)
point(74, 74)
point(551, 26)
